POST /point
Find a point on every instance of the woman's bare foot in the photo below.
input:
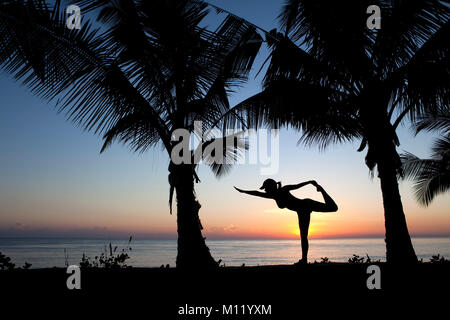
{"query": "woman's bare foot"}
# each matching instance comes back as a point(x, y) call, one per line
point(301, 262)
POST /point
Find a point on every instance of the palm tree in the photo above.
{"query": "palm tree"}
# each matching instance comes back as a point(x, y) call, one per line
point(431, 176)
point(336, 80)
point(149, 69)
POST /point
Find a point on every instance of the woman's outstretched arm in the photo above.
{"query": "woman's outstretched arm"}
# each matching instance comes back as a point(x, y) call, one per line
point(328, 206)
point(297, 186)
point(254, 193)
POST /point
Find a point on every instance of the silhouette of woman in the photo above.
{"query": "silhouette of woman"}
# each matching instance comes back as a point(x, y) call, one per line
point(303, 207)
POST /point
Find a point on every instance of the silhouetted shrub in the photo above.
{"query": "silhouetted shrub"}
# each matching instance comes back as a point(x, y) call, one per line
point(359, 260)
point(323, 260)
point(6, 263)
point(356, 259)
point(108, 259)
point(439, 259)
point(369, 260)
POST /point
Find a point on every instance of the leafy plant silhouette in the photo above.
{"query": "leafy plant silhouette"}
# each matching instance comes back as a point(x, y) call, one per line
point(109, 258)
point(356, 259)
point(323, 260)
point(438, 259)
point(6, 263)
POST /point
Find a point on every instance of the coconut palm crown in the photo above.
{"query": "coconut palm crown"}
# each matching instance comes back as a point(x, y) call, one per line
point(143, 70)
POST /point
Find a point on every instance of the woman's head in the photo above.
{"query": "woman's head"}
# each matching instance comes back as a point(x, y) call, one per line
point(270, 185)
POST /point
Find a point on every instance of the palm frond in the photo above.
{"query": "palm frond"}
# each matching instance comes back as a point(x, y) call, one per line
point(414, 167)
point(297, 104)
point(73, 66)
point(431, 176)
point(242, 45)
point(332, 31)
point(288, 61)
point(441, 148)
point(331, 128)
point(406, 27)
point(231, 148)
point(134, 129)
point(38, 49)
point(423, 82)
point(439, 121)
point(243, 48)
point(429, 186)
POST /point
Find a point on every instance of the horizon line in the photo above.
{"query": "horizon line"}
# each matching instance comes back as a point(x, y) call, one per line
point(218, 238)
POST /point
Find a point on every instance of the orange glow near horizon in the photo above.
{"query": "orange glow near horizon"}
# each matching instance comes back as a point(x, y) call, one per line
point(224, 215)
point(255, 223)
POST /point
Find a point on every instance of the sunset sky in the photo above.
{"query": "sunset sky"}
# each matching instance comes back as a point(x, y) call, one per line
point(54, 182)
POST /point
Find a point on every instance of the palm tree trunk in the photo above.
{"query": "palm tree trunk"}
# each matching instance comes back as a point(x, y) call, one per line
point(382, 152)
point(399, 248)
point(192, 249)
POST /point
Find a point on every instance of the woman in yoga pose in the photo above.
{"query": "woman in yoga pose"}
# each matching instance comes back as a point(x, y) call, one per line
point(303, 207)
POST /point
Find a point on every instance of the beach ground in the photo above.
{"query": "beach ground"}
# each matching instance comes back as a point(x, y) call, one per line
point(288, 290)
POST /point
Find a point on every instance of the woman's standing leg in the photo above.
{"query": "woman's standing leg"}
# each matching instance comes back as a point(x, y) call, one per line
point(303, 221)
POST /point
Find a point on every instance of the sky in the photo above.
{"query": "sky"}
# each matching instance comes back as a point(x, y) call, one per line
point(55, 183)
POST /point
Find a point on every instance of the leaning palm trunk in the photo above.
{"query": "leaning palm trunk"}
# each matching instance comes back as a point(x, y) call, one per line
point(192, 249)
point(382, 152)
point(399, 248)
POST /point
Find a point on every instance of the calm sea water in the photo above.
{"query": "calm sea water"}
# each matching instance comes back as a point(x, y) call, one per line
point(44, 253)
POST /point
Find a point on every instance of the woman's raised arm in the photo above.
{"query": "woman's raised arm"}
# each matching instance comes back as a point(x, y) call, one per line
point(254, 193)
point(297, 186)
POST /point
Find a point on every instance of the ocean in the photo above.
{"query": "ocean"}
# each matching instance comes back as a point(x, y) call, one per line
point(52, 252)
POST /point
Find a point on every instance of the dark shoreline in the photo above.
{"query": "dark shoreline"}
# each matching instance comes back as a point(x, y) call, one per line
point(283, 287)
